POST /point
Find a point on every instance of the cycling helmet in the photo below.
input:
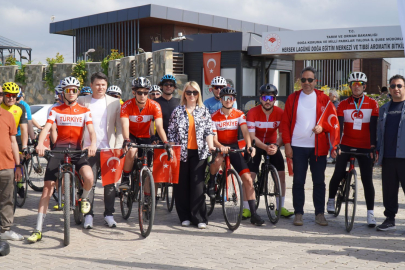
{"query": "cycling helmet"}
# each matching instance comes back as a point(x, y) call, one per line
point(168, 77)
point(218, 80)
point(19, 93)
point(86, 90)
point(227, 91)
point(141, 82)
point(155, 88)
point(70, 81)
point(268, 89)
point(357, 77)
point(58, 89)
point(10, 87)
point(113, 89)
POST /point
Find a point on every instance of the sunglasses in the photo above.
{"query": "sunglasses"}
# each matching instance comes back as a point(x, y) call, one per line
point(194, 93)
point(71, 90)
point(310, 80)
point(141, 93)
point(168, 84)
point(230, 98)
point(268, 98)
point(8, 95)
point(155, 94)
point(218, 87)
point(358, 83)
point(116, 96)
point(392, 86)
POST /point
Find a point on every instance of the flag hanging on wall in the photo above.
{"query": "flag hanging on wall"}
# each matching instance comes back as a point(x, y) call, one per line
point(212, 66)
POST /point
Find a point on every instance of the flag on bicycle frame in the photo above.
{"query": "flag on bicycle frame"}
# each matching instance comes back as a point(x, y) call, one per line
point(111, 165)
point(165, 171)
point(330, 123)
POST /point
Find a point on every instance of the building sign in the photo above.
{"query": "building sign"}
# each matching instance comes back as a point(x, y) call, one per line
point(359, 39)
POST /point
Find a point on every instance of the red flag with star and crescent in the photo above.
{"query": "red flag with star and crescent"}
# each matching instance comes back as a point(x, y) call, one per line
point(165, 171)
point(330, 123)
point(111, 165)
point(212, 66)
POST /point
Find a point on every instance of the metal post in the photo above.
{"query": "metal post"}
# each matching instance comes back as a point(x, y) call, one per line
point(137, 39)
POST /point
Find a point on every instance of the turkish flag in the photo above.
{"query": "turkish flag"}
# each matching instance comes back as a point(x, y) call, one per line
point(165, 171)
point(330, 123)
point(212, 66)
point(111, 165)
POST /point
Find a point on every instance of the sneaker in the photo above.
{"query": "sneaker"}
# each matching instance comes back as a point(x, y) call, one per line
point(124, 184)
point(330, 160)
point(285, 213)
point(211, 189)
point(88, 222)
point(387, 225)
point(35, 236)
point(202, 226)
point(85, 206)
point(11, 235)
point(56, 207)
point(21, 192)
point(330, 207)
point(186, 223)
point(371, 220)
point(255, 219)
point(298, 220)
point(109, 220)
point(321, 220)
point(246, 214)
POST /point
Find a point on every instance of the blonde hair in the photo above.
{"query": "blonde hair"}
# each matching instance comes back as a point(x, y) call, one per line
point(193, 84)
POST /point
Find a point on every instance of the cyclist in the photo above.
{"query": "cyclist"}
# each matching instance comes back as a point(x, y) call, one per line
point(70, 119)
point(214, 103)
point(358, 116)
point(155, 92)
point(115, 91)
point(86, 90)
point(20, 100)
point(263, 122)
point(136, 117)
point(225, 126)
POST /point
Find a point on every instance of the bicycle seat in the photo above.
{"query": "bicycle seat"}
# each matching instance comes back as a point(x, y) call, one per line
point(4, 248)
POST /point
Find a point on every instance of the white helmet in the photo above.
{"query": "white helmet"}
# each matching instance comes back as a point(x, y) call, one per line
point(70, 81)
point(113, 89)
point(218, 80)
point(357, 77)
point(155, 88)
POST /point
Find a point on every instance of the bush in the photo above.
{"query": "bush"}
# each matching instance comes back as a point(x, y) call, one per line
point(49, 70)
point(80, 72)
point(113, 56)
point(11, 61)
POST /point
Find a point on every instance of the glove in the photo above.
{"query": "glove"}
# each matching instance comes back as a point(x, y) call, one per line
point(126, 143)
point(167, 147)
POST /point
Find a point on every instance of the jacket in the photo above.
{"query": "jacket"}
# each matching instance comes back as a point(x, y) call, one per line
point(290, 116)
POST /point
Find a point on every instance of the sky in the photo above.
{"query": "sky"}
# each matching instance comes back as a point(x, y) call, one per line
point(27, 22)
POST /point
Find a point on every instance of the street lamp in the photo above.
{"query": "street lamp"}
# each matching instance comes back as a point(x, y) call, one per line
point(86, 53)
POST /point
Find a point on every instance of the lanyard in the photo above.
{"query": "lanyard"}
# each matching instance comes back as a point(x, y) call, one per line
point(355, 104)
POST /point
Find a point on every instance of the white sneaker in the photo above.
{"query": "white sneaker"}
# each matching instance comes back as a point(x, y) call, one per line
point(88, 222)
point(202, 226)
point(331, 206)
point(11, 235)
point(186, 223)
point(371, 220)
point(109, 220)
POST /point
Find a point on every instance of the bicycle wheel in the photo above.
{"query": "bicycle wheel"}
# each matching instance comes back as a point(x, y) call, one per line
point(14, 196)
point(126, 203)
point(340, 196)
point(351, 200)
point(169, 196)
point(232, 198)
point(77, 214)
point(256, 186)
point(21, 188)
point(146, 203)
point(66, 210)
point(36, 171)
point(272, 195)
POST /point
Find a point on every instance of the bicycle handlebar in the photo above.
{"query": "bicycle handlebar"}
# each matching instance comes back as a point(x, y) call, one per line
point(231, 150)
point(49, 153)
point(354, 153)
point(167, 147)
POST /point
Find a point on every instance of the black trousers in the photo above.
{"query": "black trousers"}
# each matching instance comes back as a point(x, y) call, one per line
point(189, 192)
point(393, 172)
point(109, 190)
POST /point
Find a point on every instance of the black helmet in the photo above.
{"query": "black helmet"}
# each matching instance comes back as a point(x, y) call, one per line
point(227, 91)
point(141, 82)
point(4, 248)
point(268, 89)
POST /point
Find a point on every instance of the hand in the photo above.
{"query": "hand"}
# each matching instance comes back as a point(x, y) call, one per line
point(333, 154)
point(154, 139)
point(212, 149)
point(271, 149)
point(17, 174)
point(125, 145)
point(41, 150)
point(225, 149)
point(317, 129)
point(376, 157)
point(91, 150)
point(253, 153)
point(288, 151)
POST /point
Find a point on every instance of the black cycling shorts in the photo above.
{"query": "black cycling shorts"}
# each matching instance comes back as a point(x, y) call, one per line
point(19, 142)
point(140, 151)
point(276, 160)
point(52, 169)
point(237, 160)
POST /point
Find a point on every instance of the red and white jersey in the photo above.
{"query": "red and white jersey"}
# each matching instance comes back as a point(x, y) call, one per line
point(70, 121)
point(227, 127)
point(139, 122)
point(353, 137)
point(265, 127)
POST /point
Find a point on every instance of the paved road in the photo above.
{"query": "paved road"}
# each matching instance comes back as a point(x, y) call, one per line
point(170, 246)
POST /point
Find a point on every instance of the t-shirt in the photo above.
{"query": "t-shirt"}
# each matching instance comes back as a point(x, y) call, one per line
point(214, 104)
point(265, 127)
point(139, 122)
point(347, 109)
point(7, 129)
point(167, 107)
point(226, 127)
point(305, 121)
point(98, 108)
point(19, 113)
point(391, 129)
point(70, 121)
point(192, 136)
point(28, 111)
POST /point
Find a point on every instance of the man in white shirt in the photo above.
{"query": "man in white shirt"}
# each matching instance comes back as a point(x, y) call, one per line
point(105, 112)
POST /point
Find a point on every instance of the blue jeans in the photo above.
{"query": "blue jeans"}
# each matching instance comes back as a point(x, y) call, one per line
point(301, 156)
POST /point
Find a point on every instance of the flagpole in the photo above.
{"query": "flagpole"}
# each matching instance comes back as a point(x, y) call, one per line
point(323, 113)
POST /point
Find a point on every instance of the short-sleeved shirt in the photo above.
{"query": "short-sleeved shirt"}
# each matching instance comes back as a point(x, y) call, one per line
point(167, 107)
point(265, 127)
point(347, 109)
point(139, 121)
point(226, 128)
point(19, 113)
point(28, 111)
point(214, 104)
point(7, 129)
point(70, 121)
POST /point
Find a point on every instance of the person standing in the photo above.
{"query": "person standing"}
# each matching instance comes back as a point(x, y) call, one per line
point(155, 92)
point(105, 111)
point(305, 141)
point(214, 103)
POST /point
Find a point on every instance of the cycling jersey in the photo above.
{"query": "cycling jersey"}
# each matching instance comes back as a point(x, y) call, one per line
point(214, 104)
point(167, 107)
point(70, 121)
point(139, 121)
point(19, 113)
point(265, 128)
point(347, 109)
point(28, 111)
point(227, 127)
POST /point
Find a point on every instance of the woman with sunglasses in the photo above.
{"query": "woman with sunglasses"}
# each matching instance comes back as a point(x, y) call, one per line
point(190, 126)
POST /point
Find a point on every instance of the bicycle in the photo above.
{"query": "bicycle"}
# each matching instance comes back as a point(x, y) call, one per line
point(141, 182)
point(21, 187)
point(270, 188)
point(347, 192)
point(36, 170)
point(168, 193)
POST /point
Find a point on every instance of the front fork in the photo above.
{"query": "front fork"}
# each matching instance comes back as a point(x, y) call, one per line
point(66, 169)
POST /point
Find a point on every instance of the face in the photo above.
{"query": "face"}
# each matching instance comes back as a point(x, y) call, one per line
point(10, 99)
point(267, 101)
point(168, 87)
point(397, 93)
point(332, 97)
point(71, 93)
point(154, 95)
point(228, 101)
point(357, 88)
point(191, 95)
point(308, 86)
point(141, 94)
point(216, 90)
point(99, 87)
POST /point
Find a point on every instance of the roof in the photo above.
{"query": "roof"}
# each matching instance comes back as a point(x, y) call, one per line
point(6, 43)
point(159, 13)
